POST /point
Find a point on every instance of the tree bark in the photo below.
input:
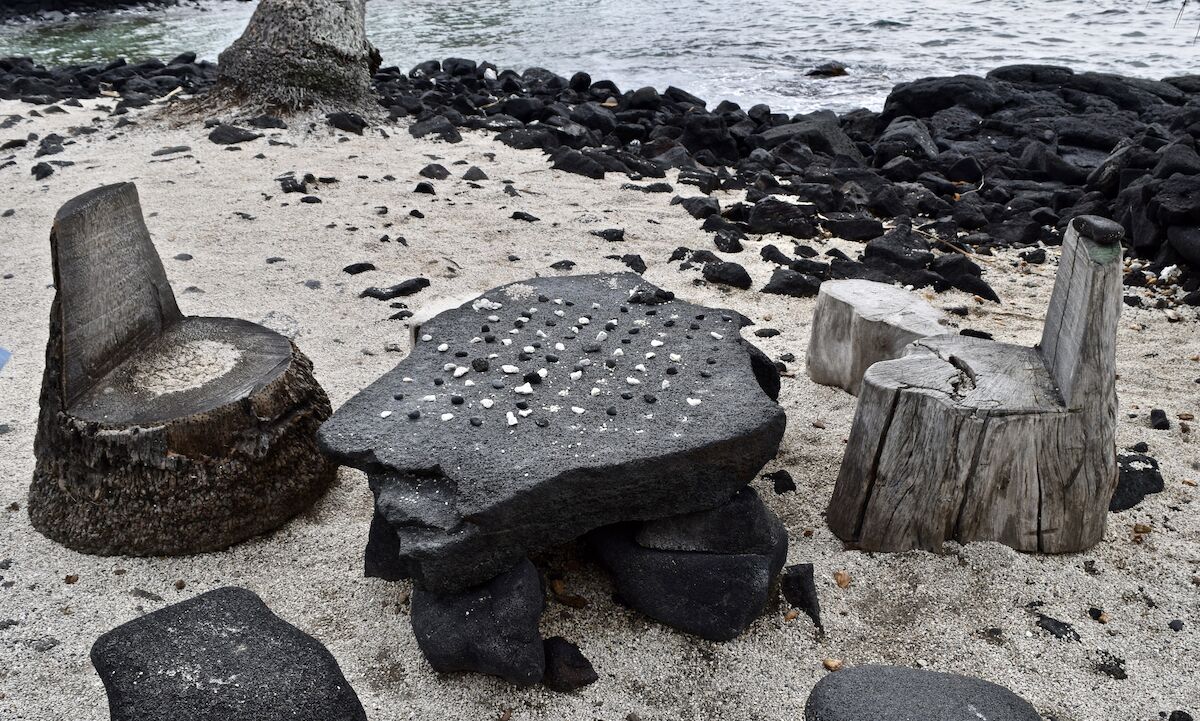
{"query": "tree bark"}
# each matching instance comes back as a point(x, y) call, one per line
point(301, 55)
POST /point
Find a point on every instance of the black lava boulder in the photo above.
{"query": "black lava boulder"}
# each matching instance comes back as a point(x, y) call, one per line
point(221, 655)
point(906, 694)
point(491, 628)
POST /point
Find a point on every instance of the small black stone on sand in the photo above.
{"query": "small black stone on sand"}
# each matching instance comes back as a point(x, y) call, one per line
point(403, 288)
point(522, 215)
point(781, 480)
point(800, 590)
point(566, 667)
point(356, 268)
point(1158, 420)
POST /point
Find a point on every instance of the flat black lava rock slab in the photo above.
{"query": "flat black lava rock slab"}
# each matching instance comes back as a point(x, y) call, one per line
point(892, 693)
point(221, 655)
point(545, 409)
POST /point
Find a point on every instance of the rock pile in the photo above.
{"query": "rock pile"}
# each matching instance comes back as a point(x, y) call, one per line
point(550, 408)
point(980, 162)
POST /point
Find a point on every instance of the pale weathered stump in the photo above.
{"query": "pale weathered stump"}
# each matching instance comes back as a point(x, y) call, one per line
point(970, 440)
point(161, 434)
point(858, 323)
point(301, 54)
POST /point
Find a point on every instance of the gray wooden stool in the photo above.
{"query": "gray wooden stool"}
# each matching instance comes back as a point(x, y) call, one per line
point(971, 440)
point(161, 433)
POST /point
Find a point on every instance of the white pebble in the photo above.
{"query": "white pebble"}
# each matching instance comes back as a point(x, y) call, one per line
point(525, 413)
point(443, 347)
point(447, 416)
point(693, 401)
point(618, 352)
point(716, 335)
point(584, 321)
point(512, 420)
point(559, 347)
point(602, 336)
point(577, 409)
point(542, 372)
point(529, 349)
point(595, 391)
point(675, 357)
point(656, 343)
point(576, 375)
point(429, 399)
point(640, 367)
point(460, 371)
point(509, 369)
point(486, 402)
point(524, 389)
point(633, 381)
point(385, 414)
point(426, 337)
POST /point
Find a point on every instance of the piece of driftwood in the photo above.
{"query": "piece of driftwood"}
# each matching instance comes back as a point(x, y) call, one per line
point(971, 440)
point(161, 434)
point(858, 323)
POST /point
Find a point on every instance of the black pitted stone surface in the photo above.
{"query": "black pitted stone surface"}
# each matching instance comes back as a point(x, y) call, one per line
point(547, 408)
point(891, 693)
point(491, 628)
point(221, 655)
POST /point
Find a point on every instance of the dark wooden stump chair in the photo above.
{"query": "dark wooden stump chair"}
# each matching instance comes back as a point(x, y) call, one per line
point(971, 440)
point(161, 434)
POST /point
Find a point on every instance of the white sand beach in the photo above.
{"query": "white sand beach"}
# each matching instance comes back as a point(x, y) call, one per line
point(224, 208)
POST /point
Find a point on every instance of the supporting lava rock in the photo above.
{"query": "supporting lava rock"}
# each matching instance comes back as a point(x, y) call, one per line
point(858, 323)
point(491, 628)
point(707, 573)
point(892, 692)
point(682, 416)
point(566, 667)
point(224, 655)
point(298, 54)
point(161, 434)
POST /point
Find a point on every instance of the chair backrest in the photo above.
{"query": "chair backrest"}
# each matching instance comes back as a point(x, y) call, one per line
point(113, 294)
point(1079, 340)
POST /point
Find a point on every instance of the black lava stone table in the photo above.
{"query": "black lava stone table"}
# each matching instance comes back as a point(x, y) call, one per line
point(549, 408)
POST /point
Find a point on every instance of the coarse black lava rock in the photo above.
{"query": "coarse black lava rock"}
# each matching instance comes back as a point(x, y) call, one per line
point(1158, 420)
point(172, 150)
point(800, 590)
point(356, 268)
point(567, 668)
point(231, 134)
point(490, 628)
point(425, 187)
point(678, 422)
point(41, 171)
point(563, 265)
point(522, 215)
point(434, 171)
point(349, 122)
point(785, 281)
point(781, 481)
point(1057, 628)
point(831, 69)
point(220, 654)
point(904, 694)
point(612, 235)
point(474, 174)
point(727, 273)
point(708, 594)
point(633, 261)
point(401, 289)
point(438, 127)
point(1138, 477)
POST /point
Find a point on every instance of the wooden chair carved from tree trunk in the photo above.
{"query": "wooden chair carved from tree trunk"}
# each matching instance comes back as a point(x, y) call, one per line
point(967, 439)
point(161, 434)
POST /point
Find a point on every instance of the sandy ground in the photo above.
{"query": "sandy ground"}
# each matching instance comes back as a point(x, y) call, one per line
point(916, 609)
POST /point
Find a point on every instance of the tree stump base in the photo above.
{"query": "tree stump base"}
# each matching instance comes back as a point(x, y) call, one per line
point(858, 323)
point(161, 434)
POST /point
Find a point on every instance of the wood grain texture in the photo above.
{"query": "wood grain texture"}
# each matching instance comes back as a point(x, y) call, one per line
point(124, 466)
point(970, 440)
point(860, 322)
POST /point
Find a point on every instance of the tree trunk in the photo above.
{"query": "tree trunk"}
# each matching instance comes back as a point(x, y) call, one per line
point(300, 55)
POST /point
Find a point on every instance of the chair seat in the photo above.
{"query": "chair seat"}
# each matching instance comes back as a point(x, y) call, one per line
point(196, 365)
point(991, 376)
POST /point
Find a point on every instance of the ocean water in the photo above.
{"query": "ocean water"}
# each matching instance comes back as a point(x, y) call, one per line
point(748, 51)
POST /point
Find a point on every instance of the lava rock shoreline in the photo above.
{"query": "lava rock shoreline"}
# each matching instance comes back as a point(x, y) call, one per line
point(963, 164)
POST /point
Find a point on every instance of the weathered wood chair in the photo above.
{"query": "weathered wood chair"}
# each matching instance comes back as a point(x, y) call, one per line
point(971, 440)
point(160, 433)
